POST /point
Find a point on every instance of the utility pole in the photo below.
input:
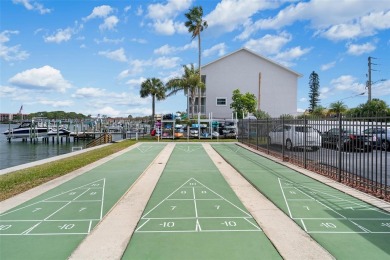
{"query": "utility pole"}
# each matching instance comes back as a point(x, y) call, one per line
point(369, 82)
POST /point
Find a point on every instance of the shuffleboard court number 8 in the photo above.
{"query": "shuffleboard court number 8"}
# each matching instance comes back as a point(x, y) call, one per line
point(328, 225)
point(386, 225)
point(5, 227)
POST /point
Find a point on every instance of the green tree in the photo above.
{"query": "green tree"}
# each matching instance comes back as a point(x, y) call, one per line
point(243, 103)
point(155, 88)
point(189, 82)
point(338, 108)
point(286, 117)
point(374, 107)
point(196, 25)
point(319, 111)
point(314, 84)
point(260, 114)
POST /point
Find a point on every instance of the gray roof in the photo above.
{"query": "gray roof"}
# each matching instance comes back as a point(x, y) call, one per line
point(257, 55)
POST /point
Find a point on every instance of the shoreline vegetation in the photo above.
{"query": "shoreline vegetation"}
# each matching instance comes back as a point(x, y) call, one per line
point(19, 181)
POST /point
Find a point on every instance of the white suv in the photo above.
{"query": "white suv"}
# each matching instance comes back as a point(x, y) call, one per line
point(293, 136)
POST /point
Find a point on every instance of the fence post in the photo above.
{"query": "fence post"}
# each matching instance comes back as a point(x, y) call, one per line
point(257, 134)
point(267, 130)
point(283, 139)
point(304, 142)
point(339, 150)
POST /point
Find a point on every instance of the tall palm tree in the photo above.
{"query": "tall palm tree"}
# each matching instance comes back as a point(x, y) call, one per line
point(189, 82)
point(155, 88)
point(196, 25)
point(337, 107)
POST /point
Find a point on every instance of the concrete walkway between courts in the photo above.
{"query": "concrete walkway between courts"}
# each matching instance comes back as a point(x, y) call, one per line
point(193, 201)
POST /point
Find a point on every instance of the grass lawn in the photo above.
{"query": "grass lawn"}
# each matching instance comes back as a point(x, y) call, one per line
point(20, 181)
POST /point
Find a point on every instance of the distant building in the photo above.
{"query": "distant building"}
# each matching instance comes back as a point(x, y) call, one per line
point(7, 117)
point(274, 85)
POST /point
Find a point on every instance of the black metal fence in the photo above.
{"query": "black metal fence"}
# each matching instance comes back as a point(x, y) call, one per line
point(354, 151)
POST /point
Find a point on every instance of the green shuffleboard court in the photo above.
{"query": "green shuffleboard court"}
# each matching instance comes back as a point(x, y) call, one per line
point(345, 226)
point(194, 214)
point(53, 224)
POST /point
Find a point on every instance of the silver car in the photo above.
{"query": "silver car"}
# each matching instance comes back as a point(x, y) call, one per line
point(295, 136)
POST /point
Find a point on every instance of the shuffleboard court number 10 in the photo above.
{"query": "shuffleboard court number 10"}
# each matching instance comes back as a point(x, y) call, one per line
point(229, 223)
point(168, 224)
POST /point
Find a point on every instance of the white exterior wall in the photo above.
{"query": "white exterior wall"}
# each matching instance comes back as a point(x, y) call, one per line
point(240, 70)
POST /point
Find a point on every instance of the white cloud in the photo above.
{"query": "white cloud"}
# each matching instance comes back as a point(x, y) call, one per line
point(140, 11)
point(135, 82)
point(99, 12)
point(45, 78)
point(164, 50)
point(140, 111)
point(359, 49)
point(127, 8)
point(11, 53)
point(231, 14)
point(381, 89)
point(117, 55)
point(220, 49)
point(162, 16)
point(57, 103)
point(292, 53)
point(139, 40)
point(328, 66)
point(88, 93)
point(107, 40)
point(62, 35)
point(33, 6)
point(166, 62)
point(348, 83)
point(269, 44)
point(362, 26)
point(167, 49)
point(170, 9)
point(109, 23)
point(344, 20)
point(138, 66)
point(109, 111)
point(7, 91)
point(165, 27)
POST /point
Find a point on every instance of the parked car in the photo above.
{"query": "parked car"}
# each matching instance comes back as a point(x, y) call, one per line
point(381, 137)
point(295, 136)
point(351, 139)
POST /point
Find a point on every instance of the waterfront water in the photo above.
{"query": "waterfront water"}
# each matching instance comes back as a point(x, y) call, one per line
point(18, 152)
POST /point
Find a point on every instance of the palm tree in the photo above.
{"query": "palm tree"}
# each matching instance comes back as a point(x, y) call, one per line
point(337, 107)
point(196, 25)
point(189, 82)
point(155, 88)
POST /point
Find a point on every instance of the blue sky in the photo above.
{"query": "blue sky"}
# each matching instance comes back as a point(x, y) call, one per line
point(90, 57)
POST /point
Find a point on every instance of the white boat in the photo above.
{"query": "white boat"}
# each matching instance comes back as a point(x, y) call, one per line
point(54, 131)
point(27, 129)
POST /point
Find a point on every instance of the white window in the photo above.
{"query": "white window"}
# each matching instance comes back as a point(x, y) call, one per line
point(221, 101)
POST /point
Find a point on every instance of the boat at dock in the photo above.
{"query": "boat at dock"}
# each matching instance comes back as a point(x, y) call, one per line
point(27, 129)
point(34, 129)
point(54, 131)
